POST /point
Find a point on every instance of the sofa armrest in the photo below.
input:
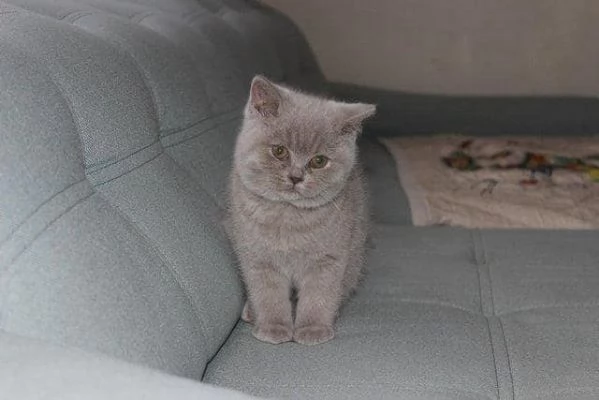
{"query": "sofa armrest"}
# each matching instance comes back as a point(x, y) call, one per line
point(32, 370)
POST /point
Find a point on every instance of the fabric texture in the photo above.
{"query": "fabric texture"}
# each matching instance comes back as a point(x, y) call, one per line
point(445, 313)
point(118, 122)
point(117, 125)
point(33, 370)
point(503, 182)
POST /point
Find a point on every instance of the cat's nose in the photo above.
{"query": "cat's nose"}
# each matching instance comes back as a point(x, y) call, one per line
point(295, 179)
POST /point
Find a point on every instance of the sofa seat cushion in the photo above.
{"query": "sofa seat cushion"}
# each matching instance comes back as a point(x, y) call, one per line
point(446, 313)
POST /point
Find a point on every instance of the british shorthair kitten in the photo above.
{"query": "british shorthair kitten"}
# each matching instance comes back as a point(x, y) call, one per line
point(298, 214)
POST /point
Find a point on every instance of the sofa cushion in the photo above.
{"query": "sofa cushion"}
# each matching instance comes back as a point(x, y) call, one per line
point(33, 370)
point(111, 245)
point(446, 313)
point(72, 268)
point(119, 120)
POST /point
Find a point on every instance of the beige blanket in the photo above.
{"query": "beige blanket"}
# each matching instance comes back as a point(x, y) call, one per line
point(500, 183)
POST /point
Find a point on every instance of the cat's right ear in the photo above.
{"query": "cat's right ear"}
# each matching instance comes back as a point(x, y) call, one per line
point(265, 97)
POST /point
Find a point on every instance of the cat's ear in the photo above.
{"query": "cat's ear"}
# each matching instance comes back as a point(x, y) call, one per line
point(353, 116)
point(265, 97)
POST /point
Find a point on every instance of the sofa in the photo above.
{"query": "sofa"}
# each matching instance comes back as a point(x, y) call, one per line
point(117, 126)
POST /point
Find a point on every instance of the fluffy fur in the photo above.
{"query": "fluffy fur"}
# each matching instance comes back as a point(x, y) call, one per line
point(297, 228)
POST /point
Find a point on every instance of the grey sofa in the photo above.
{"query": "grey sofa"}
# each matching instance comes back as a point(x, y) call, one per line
point(117, 121)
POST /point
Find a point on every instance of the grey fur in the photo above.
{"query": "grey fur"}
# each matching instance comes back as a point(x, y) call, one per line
point(308, 237)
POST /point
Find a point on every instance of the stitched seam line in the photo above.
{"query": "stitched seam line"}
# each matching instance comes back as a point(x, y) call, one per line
point(493, 355)
point(507, 354)
point(212, 128)
point(152, 246)
point(165, 134)
point(52, 221)
point(477, 262)
point(74, 16)
point(11, 263)
point(553, 307)
point(95, 167)
point(129, 171)
point(118, 44)
point(31, 214)
point(40, 66)
point(480, 259)
point(486, 262)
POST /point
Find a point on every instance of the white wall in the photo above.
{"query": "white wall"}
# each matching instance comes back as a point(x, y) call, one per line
point(455, 46)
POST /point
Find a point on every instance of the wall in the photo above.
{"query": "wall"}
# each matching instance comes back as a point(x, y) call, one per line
point(455, 46)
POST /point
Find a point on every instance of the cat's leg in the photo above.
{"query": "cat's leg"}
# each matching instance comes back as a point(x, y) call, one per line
point(319, 295)
point(246, 314)
point(268, 292)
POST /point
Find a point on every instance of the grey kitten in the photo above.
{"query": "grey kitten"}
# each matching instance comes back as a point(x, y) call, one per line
point(298, 215)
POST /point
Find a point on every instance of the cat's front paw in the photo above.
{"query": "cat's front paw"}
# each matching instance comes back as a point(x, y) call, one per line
point(313, 334)
point(273, 333)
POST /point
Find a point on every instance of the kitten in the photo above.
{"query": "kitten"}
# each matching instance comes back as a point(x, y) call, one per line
point(298, 216)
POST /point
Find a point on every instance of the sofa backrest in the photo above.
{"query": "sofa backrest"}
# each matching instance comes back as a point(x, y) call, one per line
point(117, 124)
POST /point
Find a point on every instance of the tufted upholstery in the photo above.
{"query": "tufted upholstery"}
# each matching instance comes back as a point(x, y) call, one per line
point(114, 165)
point(117, 122)
point(446, 314)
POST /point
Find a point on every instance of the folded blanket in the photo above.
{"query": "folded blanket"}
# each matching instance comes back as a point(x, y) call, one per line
point(500, 183)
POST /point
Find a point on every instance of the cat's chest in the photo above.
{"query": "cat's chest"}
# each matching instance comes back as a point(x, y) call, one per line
point(284, 229)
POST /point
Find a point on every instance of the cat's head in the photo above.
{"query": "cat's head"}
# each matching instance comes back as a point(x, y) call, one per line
point(297, 148)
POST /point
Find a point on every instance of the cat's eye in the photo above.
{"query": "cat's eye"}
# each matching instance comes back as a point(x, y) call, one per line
point(318, 161)
point(279, 152)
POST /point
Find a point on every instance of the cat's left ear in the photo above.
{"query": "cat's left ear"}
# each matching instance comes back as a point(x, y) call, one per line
point(265, 97)
point(353, 116)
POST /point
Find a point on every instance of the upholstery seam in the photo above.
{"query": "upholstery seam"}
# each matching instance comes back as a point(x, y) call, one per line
point(72, 114)
point(167, 133)
point(232, 112)
point(75, 15)
point(123, 48)
point(152, 246)
point(491, 342)
point(486, 262)
point(444, 305)
point(554, 307)
point(139, 17)
point(507, 354)
point(480, 259)
point(149, 242)
point(91, 169)
point(128, 171)
point(118, 43)
point(477, 263)
point(68, 103)
point(225, 340)
point(50, 223)
point(210, 129)
point(11, 263)
point(31, 214)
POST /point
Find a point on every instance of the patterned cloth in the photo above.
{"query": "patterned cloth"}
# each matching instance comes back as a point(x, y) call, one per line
point(500, 183)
